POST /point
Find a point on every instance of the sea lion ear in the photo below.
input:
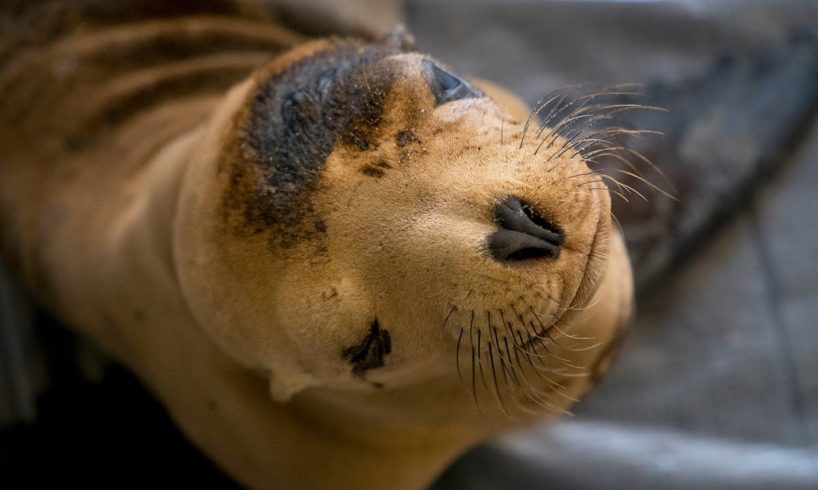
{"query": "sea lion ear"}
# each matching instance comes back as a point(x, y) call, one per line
point(282, 388)
point(399, 38)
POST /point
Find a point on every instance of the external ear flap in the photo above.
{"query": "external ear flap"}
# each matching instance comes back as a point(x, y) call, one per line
point(399, 38)
point(283, 387)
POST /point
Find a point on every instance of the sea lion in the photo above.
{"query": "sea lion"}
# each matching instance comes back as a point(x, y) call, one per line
point(341, 273)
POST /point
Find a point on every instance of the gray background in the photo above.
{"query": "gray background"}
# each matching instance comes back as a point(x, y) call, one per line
point(717, 386)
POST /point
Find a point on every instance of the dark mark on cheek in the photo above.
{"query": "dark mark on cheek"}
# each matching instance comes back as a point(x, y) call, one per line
point(370, 353)
point(329, 294)
point(405, 137)
point(358, 137)
point(376, 170)
point(371, 171)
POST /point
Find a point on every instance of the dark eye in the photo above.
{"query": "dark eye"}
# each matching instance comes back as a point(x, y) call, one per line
point(448, 86)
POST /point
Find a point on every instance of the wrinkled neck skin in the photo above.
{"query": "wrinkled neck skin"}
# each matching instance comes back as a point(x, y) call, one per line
point(119, 282)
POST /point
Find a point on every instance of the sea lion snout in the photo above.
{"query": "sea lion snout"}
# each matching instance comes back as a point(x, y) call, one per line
point(379, 218)
point(524, 233)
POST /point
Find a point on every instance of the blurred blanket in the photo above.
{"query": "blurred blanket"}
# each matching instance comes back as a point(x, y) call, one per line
point(716, 385)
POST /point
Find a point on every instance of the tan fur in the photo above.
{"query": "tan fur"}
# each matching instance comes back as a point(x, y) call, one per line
point(131, 241)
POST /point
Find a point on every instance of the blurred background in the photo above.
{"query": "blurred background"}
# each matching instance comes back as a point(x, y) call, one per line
point(717, 384)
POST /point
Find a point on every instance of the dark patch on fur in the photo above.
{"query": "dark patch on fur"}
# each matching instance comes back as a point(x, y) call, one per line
point(371, 171)
point(139, 315)
point(370, 353)
point(214, 79)
point(296, 119)
point(376, 170)
point(332, 293)
point(32, 23)
point(358, 135)
point(405, 137)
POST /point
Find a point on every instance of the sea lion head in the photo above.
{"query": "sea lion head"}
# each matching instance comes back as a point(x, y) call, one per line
point(362, 220)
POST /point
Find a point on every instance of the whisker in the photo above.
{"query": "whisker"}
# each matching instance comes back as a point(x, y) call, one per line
point(622, 185)
point(579, 146)
point(615, 192)
point(509, 361)
point(616, 220)
point(568, 335)
point(473, 374)
point(535, 392)
point(591, 114)
point(443, 327)
point(494, 379)
point(540, 106)
point(583, 349)
point(457, 356)
point(631, 165)
point(480, 360)
point(592, 181)
point(642, 179)
point(555, 327)
point(648, 162)
point(610, 152)
point(564, 361)
point(590, 172)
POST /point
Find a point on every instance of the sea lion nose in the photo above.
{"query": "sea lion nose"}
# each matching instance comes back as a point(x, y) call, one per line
point(524, 233)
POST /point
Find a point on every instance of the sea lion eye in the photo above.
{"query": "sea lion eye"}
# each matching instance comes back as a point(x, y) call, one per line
point(447, 86)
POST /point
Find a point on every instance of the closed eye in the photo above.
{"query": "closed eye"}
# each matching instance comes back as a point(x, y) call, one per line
point(448, 86)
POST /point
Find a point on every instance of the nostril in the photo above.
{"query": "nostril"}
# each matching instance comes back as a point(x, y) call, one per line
point(513, 214)
point(513, 245)
point(525, 234)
